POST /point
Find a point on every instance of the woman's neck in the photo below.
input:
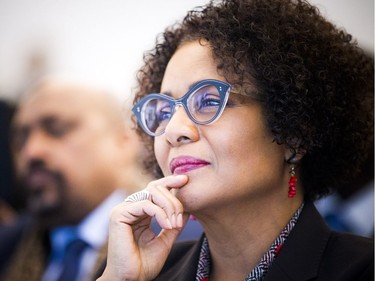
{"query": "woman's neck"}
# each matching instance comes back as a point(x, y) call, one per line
point(239, 237)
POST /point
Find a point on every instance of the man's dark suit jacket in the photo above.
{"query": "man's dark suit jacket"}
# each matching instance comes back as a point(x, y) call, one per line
point(24, 249)
point(311, 252)
point(10, 235)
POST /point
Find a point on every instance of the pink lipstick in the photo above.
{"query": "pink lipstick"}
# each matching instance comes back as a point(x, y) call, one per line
point(184, 164)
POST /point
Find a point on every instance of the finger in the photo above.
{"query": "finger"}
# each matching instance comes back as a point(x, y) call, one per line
point(162, 197)
point(160, 194)
point(172, 181)
point(168, 236)
point(136, 212)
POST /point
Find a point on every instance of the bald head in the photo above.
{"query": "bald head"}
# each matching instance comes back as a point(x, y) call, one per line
point(59, 94)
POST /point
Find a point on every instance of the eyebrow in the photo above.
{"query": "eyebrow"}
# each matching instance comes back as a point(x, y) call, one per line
point(44, 121)
point(169, 93)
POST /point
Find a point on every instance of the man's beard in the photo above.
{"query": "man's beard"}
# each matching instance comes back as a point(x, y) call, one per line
point(46, 197)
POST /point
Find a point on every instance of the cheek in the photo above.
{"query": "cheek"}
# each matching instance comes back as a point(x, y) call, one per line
point(20, 164)
point(74, 160)
point(232, 155)
point(248, 149)
point(79, 151)
point(161, 154)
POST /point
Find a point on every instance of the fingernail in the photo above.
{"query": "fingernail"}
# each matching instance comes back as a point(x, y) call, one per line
point(169, 225)
point(181, 177)
point(174, 220)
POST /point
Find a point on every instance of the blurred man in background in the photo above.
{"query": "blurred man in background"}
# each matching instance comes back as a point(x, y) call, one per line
point(76, 156)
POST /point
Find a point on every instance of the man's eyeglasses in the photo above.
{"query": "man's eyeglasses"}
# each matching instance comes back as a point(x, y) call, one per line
point(204, 103)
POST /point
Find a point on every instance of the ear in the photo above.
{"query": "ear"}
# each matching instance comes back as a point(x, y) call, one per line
point(293, 155)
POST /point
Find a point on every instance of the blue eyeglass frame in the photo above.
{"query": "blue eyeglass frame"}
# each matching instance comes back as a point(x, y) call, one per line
point(224, 89)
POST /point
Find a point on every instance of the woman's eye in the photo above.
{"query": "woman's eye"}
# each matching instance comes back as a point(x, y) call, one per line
point(210, 101)
point(206, 101)
point(164, 113)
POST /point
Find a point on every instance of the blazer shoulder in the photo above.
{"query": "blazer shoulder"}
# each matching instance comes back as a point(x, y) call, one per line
point(314, 252)
point(351, 242)
point(350, 256)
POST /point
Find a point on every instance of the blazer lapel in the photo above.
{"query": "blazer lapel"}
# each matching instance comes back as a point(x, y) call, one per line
point(300, 256)
point(182, 263)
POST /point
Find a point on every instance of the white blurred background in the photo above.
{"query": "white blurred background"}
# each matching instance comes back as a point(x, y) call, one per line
point(105, 39)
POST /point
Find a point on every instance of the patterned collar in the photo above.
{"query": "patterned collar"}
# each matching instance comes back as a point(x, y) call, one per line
point(262, 267)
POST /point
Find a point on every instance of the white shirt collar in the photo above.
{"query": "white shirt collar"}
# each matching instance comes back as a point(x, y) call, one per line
point(94, 228)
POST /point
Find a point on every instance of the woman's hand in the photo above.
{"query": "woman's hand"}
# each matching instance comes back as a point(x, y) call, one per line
point(134, 252)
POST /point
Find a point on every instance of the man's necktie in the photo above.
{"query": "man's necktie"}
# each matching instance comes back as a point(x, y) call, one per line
point(72, 259)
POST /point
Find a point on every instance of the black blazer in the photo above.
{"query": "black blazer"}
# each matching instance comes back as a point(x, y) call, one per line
point(311, 252)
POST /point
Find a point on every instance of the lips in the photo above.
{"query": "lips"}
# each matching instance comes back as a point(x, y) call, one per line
point(185, 164)
point(40, 177)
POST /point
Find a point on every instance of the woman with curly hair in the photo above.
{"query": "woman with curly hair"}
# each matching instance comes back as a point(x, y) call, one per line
point(251, 110)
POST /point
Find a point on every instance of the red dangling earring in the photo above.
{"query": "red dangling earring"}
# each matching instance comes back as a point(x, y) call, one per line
point(292, 182)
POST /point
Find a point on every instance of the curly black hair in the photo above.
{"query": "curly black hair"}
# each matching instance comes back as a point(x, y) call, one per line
point(314, 82)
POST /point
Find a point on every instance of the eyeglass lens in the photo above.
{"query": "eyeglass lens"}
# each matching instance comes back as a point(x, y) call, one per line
point(202, 106)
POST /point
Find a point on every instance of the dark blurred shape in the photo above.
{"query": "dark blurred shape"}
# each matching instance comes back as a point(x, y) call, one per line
point(351, 207)
point(6, 178)
point(9, 199)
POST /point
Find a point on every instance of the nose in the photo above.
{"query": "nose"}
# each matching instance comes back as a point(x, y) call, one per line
point(35, 146)
point(180, 128)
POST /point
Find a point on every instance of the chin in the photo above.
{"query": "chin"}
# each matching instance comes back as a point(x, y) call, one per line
point(41, 207)
point(187, 200)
